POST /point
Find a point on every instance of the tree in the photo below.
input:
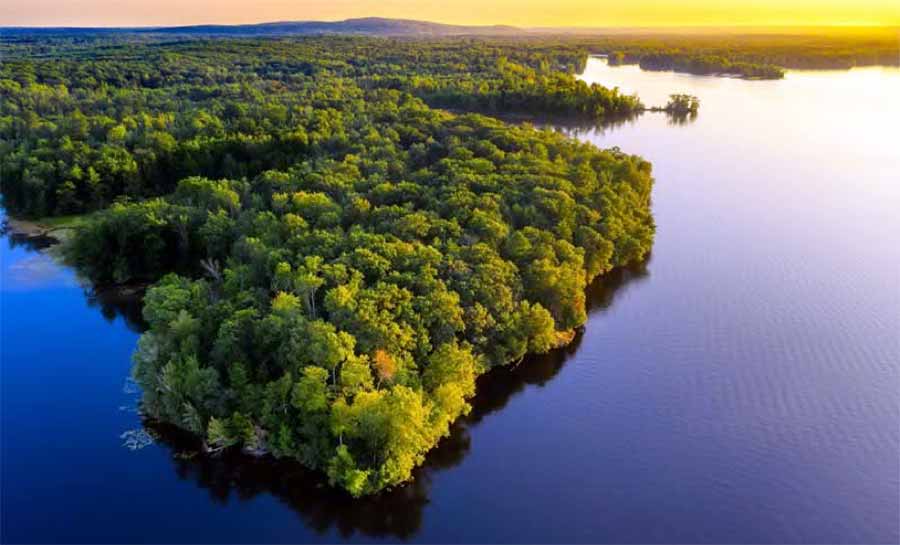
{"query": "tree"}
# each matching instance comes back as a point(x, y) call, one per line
point(356, 376)
point(385, 366)
point(310, 394)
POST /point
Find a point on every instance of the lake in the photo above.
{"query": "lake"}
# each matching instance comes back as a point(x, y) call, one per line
point(741, 386)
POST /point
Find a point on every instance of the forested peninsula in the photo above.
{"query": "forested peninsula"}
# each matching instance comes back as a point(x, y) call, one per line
point(334, 259)
point(761, 55)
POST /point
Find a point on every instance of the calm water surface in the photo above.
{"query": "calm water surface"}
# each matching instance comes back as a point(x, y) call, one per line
point(742, 386)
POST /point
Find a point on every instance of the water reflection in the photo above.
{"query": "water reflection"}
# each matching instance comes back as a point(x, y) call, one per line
point(585, 129)
point(496, 388)
point(681, 118)
point(124, 302)
point(29, 241)
point(573, 125)
point(234, 476)
point(36, 268)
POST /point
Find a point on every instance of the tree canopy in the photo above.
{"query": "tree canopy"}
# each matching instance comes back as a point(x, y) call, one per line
point(335, 261)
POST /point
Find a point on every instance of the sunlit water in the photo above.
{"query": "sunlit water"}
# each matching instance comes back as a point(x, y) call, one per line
point(741, 387)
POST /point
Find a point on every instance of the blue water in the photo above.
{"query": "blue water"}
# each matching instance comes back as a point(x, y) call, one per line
point(742, 386)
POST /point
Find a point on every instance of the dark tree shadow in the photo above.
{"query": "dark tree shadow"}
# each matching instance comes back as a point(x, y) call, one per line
point(573, 126)
point(33, 242)
point(124, 302)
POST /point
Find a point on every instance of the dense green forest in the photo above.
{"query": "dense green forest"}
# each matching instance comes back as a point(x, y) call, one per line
point(335, 260)
point(84, 122)
point(693, 63)
point(757, 55)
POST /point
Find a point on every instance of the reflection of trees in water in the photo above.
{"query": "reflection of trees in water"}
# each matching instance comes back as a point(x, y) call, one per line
point(577, 126)
point(29, 242)
point(573, 127)
point(119, 301)
point(496, 388)
point(396, 513)
point(676, 119)
point(584, 131)
point(233, 475)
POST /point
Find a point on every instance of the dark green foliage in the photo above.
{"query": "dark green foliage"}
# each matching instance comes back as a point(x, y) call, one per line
point(703, 64)
point(98, 119)
point(343, 259)
point(680, 104)
point(516, 88)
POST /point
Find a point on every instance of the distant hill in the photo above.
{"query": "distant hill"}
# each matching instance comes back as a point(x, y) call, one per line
point(380, 26)
point(369, 26)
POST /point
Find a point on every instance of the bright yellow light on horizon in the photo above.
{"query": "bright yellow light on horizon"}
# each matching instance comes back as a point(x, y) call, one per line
point(526, 13)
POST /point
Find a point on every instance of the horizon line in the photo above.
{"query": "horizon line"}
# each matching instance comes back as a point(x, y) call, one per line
point(481, 25)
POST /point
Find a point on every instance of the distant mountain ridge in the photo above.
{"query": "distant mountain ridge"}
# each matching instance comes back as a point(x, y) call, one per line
point(382, 26)
point(366, 25)
point(369, 26)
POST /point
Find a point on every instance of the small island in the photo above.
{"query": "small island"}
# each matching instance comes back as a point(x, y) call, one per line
point(679, 106)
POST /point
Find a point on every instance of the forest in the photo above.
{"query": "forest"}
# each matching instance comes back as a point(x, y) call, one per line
point(761, 55)
point(334, 259)
point(693, 63)
point(85, 122)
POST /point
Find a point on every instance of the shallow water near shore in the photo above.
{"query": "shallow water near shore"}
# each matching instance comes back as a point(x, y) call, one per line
point(741, 386)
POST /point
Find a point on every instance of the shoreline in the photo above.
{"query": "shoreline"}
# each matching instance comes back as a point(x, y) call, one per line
point(40, 237)
point(28, 229)
point(48, 240)
point(194, 446)
point(44, 232)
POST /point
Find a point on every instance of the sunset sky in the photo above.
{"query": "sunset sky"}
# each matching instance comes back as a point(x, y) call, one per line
point(513, 12)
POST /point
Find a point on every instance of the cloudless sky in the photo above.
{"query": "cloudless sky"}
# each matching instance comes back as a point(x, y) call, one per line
point(513, 12)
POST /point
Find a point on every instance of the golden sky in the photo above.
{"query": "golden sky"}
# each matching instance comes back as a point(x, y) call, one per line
point(512, 12)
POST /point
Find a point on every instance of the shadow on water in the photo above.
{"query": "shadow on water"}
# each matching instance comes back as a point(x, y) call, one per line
point(396, 513)
point(583, 131)
point(678, 119)
point(124, 302)
point(496, 388)
point(570, 125)
point(28, 242)
point(234, 476)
